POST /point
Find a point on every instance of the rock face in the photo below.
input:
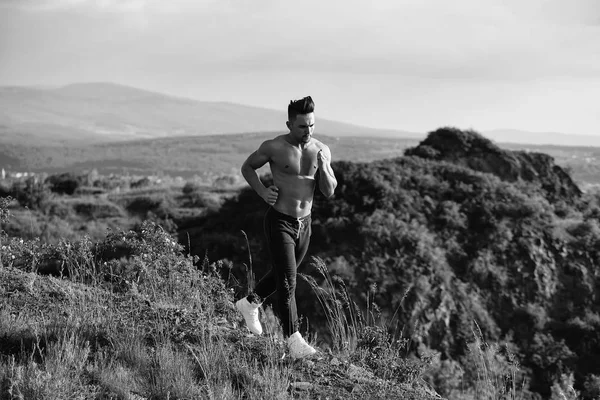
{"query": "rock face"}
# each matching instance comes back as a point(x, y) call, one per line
point(472, 150)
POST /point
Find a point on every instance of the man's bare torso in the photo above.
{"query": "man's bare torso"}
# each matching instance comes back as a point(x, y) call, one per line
point(293, 171)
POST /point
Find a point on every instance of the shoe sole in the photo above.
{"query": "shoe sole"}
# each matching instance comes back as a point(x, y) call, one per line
point(304, 354)
point(297, 357)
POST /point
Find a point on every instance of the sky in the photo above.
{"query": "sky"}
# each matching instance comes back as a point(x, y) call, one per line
point(396, 64)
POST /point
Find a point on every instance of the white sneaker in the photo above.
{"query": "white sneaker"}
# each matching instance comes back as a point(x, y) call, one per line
point(250, 313)
point(298, 346)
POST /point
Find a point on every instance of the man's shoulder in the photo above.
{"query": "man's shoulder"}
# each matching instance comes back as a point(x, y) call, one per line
point(272, 143)
point(320, 145)
point(280, 139)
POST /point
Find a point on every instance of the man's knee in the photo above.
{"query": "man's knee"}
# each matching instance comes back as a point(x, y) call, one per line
point(289, 285)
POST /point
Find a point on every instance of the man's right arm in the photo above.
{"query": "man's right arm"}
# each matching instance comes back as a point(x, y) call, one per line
point(256, 160)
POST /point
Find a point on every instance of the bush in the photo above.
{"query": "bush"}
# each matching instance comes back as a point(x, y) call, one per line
point(226, 181)
point(89, 191)
point(59, 209)
point(4, 212)
point(32, 193)
point(23, 224)
point(190, 187)
point(201, 199)
point(5, 188)
point(112, 182)
point(66, 183)
point(592, 387)
point(141, 183)
point(97, 209)
point(142, 205)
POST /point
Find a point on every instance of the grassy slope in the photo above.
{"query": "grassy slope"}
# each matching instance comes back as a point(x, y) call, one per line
point(153, 315)
point(150, 192)
point(159, 337)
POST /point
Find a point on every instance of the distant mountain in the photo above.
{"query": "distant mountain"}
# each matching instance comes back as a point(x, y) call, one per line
point(542, 138)
point(107, 112)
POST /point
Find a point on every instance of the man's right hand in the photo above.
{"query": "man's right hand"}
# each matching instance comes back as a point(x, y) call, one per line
point(270, 195)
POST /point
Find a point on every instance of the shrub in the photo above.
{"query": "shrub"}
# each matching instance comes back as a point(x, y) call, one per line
point(157, 267)
point(141, 183)
point(190, 187)
point(89, 191)
point(97, 209)
point(563, 388)
point(59, 209)
point(226, 181)
point(112, 182)
point(5, 188)
point(66, 183)
point(32, 193)
point(142, 205)
point(202, 199)
point(592, 387)
point(4, 212)
point(23, 223)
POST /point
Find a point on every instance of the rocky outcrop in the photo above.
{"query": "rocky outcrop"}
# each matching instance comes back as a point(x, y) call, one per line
point(471, 149)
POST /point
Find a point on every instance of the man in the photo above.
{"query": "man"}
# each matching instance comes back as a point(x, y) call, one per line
point(295, 159)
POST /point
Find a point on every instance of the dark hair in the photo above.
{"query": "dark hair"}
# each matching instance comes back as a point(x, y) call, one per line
point(302, 106)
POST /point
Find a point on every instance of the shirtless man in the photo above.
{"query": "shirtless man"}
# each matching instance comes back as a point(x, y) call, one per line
point(295, 160)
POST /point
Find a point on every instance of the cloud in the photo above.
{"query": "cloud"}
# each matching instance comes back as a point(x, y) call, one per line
point(575, 12)
point(503, 40)
point(127, 6)
point(469, 40)
point(53, 5)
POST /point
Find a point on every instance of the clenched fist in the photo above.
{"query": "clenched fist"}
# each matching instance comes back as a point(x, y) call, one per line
point(322, 158)
point(271, 194)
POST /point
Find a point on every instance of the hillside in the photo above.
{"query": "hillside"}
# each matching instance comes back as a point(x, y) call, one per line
point(154, 326)
point(462, 241)
point(474, 151)
point(86, 113)
point(214, 156)
point(207, 156)
point(470, 257)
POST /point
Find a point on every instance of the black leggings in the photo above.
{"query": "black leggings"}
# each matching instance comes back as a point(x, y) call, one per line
point(287, 240)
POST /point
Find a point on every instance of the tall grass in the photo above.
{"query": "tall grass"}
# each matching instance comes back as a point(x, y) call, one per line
point(487, 371)
point(496, 376)
point(153, 326)
point(491, 373)
point(363, 337)
point(4, 215)
point(343, 317)
point(57, 374)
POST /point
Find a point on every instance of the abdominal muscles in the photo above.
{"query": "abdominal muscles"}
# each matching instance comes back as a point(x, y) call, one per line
point(295, 194)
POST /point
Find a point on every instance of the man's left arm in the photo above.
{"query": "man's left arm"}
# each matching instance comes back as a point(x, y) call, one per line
point(327, 181)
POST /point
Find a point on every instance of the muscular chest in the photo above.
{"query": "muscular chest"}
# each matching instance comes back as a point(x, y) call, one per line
point(296, 162)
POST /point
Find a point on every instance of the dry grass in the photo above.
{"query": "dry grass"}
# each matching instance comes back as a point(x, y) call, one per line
point(154, 326)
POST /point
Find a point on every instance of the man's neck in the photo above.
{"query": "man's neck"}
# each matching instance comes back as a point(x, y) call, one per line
point(298, 144)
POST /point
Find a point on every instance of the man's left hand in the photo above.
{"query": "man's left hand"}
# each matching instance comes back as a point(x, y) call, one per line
point(322, 158)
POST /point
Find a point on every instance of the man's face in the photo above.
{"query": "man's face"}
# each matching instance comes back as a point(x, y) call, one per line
point(302, 127)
